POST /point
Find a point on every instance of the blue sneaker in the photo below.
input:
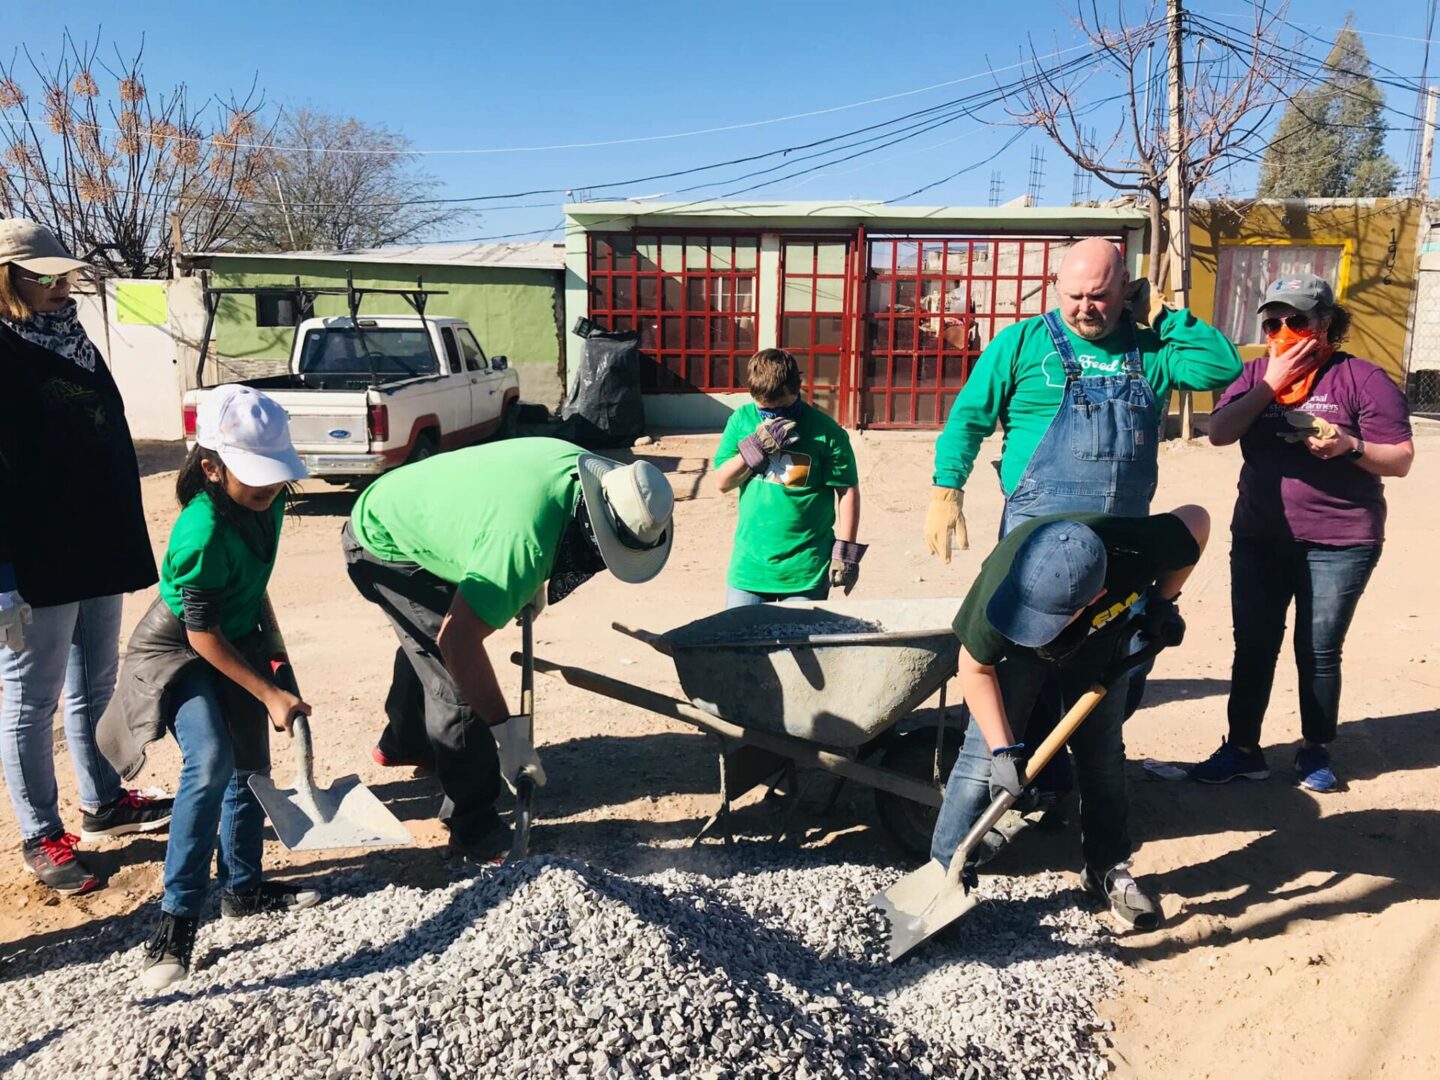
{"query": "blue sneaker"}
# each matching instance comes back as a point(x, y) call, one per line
point(1312, 769)
point(1231, 763)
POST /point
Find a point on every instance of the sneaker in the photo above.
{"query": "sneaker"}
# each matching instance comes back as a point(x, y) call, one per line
point(386, 761)
point(130, 813)
point(1231, 763)
point(490, 845)
point(53, 860)
point(271, 898)
point(1128, 902)
point(168, 952)
point(1312, 769)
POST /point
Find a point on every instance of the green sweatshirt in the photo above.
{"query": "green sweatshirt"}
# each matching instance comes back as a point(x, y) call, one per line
point(1020, 382)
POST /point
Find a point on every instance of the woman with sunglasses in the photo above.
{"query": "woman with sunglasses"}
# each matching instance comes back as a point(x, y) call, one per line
point(1319, 429)
point(72, 541)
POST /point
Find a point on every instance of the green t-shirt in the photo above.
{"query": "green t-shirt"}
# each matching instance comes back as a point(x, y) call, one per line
point(787, 516)
point(488, 519)
point(1019, 382)
point(208, 553)
point(1138, 550)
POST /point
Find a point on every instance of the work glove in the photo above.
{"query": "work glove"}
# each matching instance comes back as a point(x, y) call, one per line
point(845, 559)
point(1145, 303)
point(515, 740)
point(1303, 425)
point(769, 437)
point(945, 521)
point(1161, 622)
point(1007, 771)
point(15, 615)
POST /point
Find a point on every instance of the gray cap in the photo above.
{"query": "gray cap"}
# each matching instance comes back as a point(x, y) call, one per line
point(1057, 572)
point(1303, 292)
point(35, 247)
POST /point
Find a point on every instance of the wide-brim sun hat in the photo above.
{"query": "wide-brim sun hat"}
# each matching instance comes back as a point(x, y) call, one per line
point(251, 433)
point(632, 511)
point(35, 248)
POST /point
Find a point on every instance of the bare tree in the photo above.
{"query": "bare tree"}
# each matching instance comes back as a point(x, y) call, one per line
point(105, 162)
point(336, 184)
point(1229, 96)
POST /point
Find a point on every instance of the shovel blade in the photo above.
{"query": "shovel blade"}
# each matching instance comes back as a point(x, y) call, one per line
point(920, 905)
point(345, 815)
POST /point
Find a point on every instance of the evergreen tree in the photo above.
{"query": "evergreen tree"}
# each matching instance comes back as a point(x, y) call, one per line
point(1330, 141)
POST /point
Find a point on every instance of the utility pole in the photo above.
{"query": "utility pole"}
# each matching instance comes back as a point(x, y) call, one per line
point(1422, 232)
point(1178, 212)
point(1427, 145)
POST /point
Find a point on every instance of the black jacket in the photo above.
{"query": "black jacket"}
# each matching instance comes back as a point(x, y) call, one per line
point(71, 520)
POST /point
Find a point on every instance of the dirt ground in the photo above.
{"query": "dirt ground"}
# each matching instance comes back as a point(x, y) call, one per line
point(1303, 933)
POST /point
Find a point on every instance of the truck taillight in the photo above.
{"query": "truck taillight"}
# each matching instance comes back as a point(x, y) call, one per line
point(187, 418)
point(379, 423)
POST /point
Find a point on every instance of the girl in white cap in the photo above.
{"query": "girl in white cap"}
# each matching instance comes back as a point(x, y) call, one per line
point(195, 666)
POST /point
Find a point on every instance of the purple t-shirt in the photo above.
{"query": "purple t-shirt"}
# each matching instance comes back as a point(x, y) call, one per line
point(1286, 492)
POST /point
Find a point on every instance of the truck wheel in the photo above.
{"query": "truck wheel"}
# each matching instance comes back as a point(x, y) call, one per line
point(425, 447)
point(910, 824)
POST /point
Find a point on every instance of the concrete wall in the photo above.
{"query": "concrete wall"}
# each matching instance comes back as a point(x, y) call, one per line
point(517, 313)
point(1378, 271)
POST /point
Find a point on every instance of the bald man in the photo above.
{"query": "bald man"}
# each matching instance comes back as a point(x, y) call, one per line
point(1120, 353)
point(1082, 392)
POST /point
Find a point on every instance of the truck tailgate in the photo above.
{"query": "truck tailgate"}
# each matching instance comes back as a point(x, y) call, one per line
point(324, 421)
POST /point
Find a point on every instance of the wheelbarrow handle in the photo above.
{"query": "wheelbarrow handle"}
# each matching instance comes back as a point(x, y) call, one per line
point(655, 641)
point(1051, 746)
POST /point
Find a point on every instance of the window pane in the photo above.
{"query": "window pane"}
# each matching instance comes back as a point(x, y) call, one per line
point(830, 258)
point(900, 408)
point(647, 251)
point(695, 333)
point(907, 253)
point(799, 294)
point(695, 294)
point(720, 372)
point(745, 333)
point(796, 331)
point(670, 293)
point(799, 258)
point(721, 336)
point(925, 409)
point(672, 253)
point(600, 252)
point(745, 249)
point(1246, 270)
point(882, 254)
point(827, 369)
point(649, 293)
point(828, 402)
point(671, 330)
point(830, 294)
point(744, 294)
point(874, 370)
point(904, 334)
point(904, 369)
point(600, 294)
point(880, 296)
point(624, 248)
point(696, 253)
point(905, 295)
point(649, 334)
point(827, 330)
point(624, 293)
point(720, 257)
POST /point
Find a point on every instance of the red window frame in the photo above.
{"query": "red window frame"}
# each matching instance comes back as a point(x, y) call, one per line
point(818, 330)
point(930, 306)
point(697, 318)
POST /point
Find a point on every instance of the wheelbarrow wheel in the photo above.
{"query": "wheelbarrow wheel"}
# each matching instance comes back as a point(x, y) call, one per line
point(911, 824)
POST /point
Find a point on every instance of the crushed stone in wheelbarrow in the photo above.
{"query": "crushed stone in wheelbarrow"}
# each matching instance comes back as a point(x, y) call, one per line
point(789, 631)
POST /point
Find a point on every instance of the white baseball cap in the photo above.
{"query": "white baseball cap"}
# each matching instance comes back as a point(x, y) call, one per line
point(631, 508)
point(251, 433)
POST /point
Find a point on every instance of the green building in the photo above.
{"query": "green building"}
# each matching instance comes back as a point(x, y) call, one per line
point(511, 294)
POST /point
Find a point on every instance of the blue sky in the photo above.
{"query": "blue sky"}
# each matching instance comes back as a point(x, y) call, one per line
point(461, 76)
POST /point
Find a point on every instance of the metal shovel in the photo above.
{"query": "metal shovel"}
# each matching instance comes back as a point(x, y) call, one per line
point(525, 783)
point(306, 817)
point(924, 902)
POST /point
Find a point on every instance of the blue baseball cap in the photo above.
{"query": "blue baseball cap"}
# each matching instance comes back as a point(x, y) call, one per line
point(1058, 571)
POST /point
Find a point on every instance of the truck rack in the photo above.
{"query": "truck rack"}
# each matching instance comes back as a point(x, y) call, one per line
point(306, 294)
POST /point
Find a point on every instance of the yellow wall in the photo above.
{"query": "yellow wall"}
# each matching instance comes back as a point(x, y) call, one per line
point(1380, 311)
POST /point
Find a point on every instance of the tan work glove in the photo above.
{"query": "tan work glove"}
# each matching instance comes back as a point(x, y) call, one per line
point(1144, 302)
point(945, 521)
point(1305, 425)
point(515, 744)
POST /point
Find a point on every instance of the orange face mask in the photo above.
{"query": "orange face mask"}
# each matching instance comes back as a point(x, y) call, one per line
point(1284, 339)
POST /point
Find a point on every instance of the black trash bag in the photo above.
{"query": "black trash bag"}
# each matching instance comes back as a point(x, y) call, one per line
point(605, 408)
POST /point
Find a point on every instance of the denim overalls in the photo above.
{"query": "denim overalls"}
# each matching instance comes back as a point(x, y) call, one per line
point(1099, 453)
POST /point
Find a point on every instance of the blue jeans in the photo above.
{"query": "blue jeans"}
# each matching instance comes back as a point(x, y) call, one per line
point(740, 598)
point(1098, 746)
point(69, 648)
point(213, 798)
point(1326, 584)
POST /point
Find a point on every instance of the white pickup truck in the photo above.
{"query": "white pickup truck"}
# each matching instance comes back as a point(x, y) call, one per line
point(367, 394)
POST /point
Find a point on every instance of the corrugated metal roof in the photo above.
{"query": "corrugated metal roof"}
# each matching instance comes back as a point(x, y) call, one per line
point(519, 256)
point(593, 214)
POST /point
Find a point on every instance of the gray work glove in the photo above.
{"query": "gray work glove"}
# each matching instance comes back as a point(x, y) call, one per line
point(1007, 770)
point(845, 559)
point(769, 437)
point(515, 741)
point(15, 615)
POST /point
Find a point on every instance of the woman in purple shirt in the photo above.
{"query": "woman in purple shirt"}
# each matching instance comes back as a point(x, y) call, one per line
point(1318, 429)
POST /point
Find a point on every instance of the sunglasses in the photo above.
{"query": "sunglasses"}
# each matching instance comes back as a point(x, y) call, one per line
point(45, 281)
point(1297, 322)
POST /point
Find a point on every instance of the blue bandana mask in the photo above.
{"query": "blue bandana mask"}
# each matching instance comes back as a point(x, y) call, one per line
point(789, 412)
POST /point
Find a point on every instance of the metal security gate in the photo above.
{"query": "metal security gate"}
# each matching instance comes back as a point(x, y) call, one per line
point(815, 323)
point(931, 306)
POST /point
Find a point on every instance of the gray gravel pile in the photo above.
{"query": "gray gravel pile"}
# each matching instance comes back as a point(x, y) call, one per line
point(553, 968)
point(789, 631)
